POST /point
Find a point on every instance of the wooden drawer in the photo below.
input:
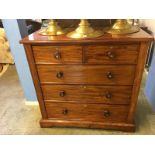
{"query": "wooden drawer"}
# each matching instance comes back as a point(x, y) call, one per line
point(87, 74)
point(111, 54)
point(57, 54)
point(87, 112)
point(88, 94)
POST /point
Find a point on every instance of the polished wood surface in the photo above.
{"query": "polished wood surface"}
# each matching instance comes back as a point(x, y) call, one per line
point(92, 54)
point(35, 77)
point(91, 74)
point(91, 83)
point(57, 54)
point(111, 54)
point(36, 38)
point(137, 81)
point(87, 94)
point(128, 127)
point(87, 112)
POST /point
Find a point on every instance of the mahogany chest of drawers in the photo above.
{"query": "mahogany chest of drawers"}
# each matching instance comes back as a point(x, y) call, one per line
point(92, 83)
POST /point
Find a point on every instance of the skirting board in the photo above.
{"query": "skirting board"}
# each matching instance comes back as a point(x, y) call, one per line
point(31, 103)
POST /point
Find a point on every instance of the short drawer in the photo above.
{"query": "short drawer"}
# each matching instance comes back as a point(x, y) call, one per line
point(111, 54)
point(88, 93)
point(87, 74)
point(87, 112)
point(57, 54)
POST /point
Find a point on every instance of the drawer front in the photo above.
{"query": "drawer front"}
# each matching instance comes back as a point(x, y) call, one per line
point(88, 94)
point(83, 74)
point(111, 54)
point(57, 54)
point(87, 112)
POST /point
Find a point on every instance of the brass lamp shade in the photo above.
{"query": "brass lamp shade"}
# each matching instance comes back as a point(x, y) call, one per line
point(53, 29)
point(84, 30)
point(121, 26)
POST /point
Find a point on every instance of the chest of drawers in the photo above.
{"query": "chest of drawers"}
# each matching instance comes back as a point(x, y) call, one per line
point(92, 83)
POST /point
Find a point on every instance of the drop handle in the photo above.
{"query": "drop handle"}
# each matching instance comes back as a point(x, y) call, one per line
point(65, 111)
point(111, 55)
point(57, 55)
point(108, 95)
point(59, 75)
point(109, 75)
point(62, 93)
point(106, 113)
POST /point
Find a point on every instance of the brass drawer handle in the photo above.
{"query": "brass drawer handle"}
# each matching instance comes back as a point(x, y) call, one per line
point(65, 111)
point(57, 55)
point(109, 75)
point(110, 55)
point(59, 75)
point(106, 113)
point(62, 93)
point(108, 95)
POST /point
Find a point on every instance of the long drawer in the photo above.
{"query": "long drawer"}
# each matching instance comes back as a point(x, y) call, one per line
point(57, 54)
point(87, 74)
point(111, 54)
point(87, 94)
point(87, 112)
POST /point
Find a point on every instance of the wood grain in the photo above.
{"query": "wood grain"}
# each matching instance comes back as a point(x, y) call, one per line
point(67, 54)
point(87, 112)
point(111, 54)
point(71, 77)
point(36, 39)
point(88, 94)
point(137, 81)
point(80, 74)
point(47, 123)
point(36, 81)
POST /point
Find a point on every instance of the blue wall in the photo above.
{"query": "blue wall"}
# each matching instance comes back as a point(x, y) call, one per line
point(18, 52)
point(150, 83)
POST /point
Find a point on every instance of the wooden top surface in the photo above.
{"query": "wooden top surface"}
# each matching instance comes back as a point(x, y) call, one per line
point(36, 38)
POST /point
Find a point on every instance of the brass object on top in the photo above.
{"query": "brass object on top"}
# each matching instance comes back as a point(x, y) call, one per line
point(53, 29)
point(84, 30)
point(122, 26)
point(130, 21)
point(136, 22)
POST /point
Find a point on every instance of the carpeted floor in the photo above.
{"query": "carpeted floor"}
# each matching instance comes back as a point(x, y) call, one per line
point(17, 117)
